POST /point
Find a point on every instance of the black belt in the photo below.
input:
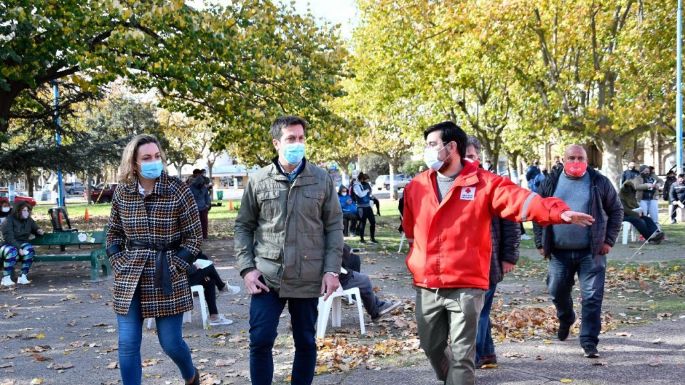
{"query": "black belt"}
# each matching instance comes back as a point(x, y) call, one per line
point(162, 274)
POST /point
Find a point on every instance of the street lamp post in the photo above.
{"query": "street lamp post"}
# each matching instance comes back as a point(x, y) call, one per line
point(58, 139)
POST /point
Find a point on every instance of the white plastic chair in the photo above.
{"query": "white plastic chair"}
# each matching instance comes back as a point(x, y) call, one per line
point(187, 316)
point(629, 232)
point(333, 305)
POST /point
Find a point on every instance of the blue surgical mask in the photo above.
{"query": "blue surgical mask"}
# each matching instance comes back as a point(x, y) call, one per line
point(151, 170)
point(293, 153)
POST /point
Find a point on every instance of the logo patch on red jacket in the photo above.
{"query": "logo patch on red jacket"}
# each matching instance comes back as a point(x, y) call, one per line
point(468, 193)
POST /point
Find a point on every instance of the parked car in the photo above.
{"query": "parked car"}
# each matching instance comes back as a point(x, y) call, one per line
point(4, 197)
point(383, 182)
point(102, 192)
point(71, 188)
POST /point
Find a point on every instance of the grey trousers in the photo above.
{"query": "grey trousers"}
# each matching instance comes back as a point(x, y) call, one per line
point(447, 321)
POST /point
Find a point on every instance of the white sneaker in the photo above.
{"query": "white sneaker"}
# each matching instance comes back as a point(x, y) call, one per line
point(7, 281)
point(23, 280)
point(221, 320)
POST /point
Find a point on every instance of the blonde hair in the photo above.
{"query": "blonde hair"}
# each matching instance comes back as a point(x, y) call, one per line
point(128, 170)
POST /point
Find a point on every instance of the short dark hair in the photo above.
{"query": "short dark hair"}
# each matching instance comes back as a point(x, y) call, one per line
point(681, 175)
point(473, 141)
point(449, 132)
point(284, 121)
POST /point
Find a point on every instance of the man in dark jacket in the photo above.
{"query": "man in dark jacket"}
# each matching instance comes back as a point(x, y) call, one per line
point(676, 195)
point(203, 202)
point(575, 250)
point(629, 173)
point(506, 238)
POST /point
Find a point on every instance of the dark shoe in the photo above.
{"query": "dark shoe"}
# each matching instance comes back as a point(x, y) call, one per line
point(565, 329)
point(346, 234)
point(362, 240)
point(374, 241)
point(673, 221)
point(590, 351)
point(657, 238)
point(386, 308)
point(490, 359)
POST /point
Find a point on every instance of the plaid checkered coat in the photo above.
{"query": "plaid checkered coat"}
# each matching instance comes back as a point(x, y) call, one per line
point(167, 215)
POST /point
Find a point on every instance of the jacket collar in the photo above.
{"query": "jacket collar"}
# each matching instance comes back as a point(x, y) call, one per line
point(467, 177)
point(305, 176)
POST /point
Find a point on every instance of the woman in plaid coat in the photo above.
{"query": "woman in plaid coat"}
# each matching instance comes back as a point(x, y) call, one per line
point(154, 231)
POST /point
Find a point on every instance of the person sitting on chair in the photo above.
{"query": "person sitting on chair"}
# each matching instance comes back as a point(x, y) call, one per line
point(210, 280)
point(351, 277)
point(634, 214)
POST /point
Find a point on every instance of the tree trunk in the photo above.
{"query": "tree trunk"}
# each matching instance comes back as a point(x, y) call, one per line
point(611, 159)
point(88, 197)
point(391, 169)
point(6, 100)
point(29, 182)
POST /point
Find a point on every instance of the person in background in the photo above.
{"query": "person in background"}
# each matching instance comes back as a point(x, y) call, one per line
point(647, 186)
point(208, 184)
point(349, 209)
point(210, 280)
point(198, 188)
point(16, 232)
point(5, 211)
point(630, 173)
point(531, 172)
point(364, 194)
point(506, 238)
point(352, 277)
point(666, 194)
point(633, 213)
point(677, 197)
point(574, 250)
point(153, 236)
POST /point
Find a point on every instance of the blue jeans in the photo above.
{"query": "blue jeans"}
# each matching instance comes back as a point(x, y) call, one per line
point(265, 311)
point(484, 344)
point(563, 266)
point(169, 333)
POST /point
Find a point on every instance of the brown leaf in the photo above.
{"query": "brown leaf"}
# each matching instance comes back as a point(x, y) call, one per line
point(150, 362)
point(39, 357)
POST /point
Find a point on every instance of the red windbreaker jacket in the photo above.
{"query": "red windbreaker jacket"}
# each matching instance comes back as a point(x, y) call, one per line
point(451, 239)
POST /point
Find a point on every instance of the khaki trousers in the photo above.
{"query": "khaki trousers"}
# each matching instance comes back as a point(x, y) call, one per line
point(447, 321)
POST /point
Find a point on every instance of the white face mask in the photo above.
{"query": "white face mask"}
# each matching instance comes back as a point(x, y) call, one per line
point(430, 156)
point(5, 209)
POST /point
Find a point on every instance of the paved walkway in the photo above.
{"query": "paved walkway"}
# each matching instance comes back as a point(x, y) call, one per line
point(61, 330)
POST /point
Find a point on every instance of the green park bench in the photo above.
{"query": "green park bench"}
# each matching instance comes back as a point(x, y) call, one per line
point(97, 255)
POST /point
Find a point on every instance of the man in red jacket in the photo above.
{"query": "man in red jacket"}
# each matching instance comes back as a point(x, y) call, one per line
point(447, 215)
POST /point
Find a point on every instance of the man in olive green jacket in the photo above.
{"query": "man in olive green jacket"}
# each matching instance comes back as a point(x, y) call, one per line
point(288, 241)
